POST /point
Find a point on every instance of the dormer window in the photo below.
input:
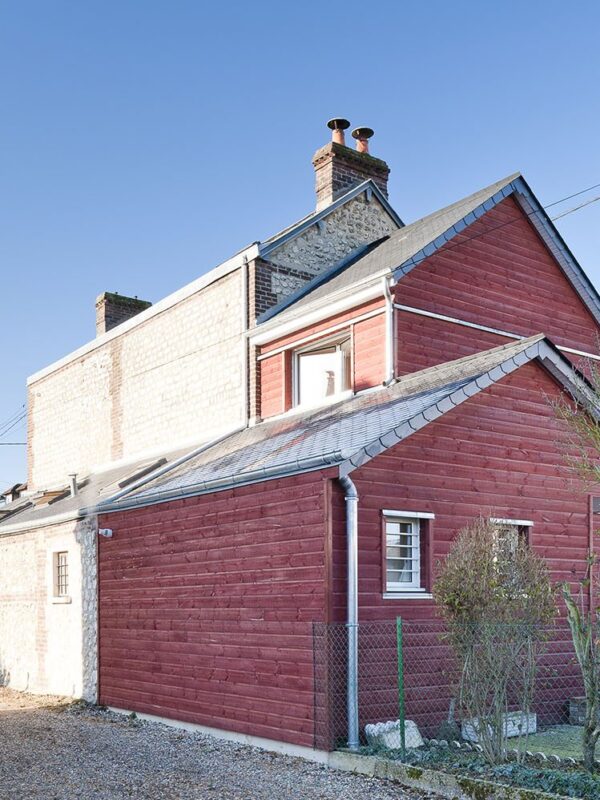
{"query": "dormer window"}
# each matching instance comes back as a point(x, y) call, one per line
point(322, 372)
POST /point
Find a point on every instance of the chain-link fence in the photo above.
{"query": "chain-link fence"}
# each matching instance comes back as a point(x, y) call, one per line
point(503, 686)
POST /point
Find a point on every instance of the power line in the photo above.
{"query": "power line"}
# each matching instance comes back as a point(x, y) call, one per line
point(451, 246)
point(571, 196)
point(12, 417)
point(13, 425)
point(576, 208)
point(12, 444)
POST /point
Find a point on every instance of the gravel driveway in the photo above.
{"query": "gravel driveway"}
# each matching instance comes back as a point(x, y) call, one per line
point(56, 751)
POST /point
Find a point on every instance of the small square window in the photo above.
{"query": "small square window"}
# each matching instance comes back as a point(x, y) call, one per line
point(61, 574)
point(406, 552)
point(509, 534)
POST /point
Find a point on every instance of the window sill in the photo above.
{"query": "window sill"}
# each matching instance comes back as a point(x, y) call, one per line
point(324, 401)
point(61, 601)
point(407, 595)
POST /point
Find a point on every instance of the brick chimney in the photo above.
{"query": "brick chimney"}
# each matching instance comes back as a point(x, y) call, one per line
point(339, 168)
point(112, 309)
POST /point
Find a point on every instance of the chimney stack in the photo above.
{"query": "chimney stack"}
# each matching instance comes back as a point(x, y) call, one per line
point(338, 168)
point(112, 309)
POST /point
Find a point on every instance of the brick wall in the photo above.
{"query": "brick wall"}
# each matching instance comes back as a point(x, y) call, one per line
point(49, 647)
point(174, 378)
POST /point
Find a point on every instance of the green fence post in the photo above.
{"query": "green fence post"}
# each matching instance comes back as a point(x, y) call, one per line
point(401, 709)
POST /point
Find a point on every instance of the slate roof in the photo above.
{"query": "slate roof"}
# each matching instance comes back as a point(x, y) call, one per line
point(347, 433)
point(403, 249)
point(31, 510)
point(389, 253)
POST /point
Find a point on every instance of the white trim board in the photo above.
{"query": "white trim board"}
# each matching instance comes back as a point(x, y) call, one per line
point(260, 336)
point(408, 514)
point(499, 332)
point(320, 334)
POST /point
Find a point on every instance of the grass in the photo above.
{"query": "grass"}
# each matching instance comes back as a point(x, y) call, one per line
point(560, 740)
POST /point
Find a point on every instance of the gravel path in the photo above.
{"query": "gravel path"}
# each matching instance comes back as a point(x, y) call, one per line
point(56, 751)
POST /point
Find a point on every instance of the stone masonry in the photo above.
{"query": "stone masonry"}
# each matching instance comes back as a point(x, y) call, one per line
point(317, 248)
point(339, 168)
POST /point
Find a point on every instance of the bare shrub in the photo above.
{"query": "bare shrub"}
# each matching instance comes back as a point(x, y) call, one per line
point(497, 600)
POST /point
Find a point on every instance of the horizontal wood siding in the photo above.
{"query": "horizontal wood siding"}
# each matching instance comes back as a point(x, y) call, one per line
point(369, 357)
point(272, 383)
point(206, 607)
point(369, 352)
point(497, 273)
point(498, 454)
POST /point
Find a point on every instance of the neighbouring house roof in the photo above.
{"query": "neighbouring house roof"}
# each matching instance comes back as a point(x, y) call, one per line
point(348, 433)
point(46, 508)
point(404, 249)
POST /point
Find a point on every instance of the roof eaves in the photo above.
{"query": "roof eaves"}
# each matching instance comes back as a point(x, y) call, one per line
point(295, 467)
point(369, 187)
point(557, 246)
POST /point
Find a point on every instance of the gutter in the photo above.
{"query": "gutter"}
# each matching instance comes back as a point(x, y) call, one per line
point(99, 507)
point(352, 609)
point(229, 482)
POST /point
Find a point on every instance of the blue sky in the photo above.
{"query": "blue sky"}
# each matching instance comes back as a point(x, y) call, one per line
point(144, 142)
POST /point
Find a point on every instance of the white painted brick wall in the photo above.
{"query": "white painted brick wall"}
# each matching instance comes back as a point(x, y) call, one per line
point(48, 647)
point(173, 379)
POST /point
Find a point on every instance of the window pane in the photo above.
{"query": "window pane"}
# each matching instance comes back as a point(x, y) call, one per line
point(402, 554)
point(62, 574)
point(318, 375)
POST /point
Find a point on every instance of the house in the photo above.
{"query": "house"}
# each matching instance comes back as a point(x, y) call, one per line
point(216, 474)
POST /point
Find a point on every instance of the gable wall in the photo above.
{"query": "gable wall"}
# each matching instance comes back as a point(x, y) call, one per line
point(505, 279)
point(207, 604)
point(499, 454)
point(175, 378)
point(318, 248)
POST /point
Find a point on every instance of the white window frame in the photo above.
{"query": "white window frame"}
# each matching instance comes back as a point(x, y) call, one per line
point(523, 526)
point(320, 344)
point(415, 588)
point(59, 596)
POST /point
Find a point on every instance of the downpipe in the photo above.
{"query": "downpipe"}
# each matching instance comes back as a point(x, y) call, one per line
point(352, 609)
point(390, 349)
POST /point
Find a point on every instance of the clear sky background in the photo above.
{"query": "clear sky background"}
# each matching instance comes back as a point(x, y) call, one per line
point(144, 141)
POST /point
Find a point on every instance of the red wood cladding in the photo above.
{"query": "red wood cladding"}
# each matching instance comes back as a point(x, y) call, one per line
point(346, 316)
point(425, 341)
point(368, 358)
point(206, 607)
point(505, 278)
point(369, 352)
point(499, 454)
point(272, 385)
